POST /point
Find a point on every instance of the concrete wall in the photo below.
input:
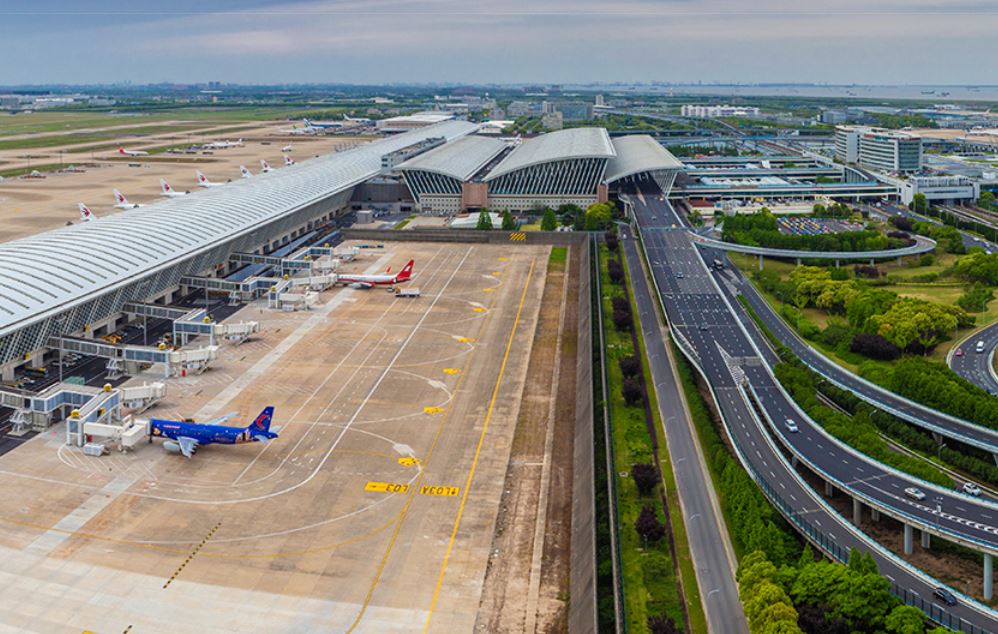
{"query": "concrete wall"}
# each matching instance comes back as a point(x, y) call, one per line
point(582, 617)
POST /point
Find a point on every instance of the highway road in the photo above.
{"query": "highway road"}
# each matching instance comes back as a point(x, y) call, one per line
point(977, 367)
point(707, 326)
point(709, 544)
point(925, 417)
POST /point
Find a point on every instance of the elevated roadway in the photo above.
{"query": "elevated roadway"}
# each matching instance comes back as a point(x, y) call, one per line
point(922, 245)
point(752, 405)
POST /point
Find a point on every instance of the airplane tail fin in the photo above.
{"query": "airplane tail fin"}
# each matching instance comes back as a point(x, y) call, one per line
point(288, 160)
point(262, 421)
point(85, 214)
point(121, 150)
point(202, 179)
point(165, 186)
point(406, 272)
point(264, 165)
point(245, 172)
point(120, 198)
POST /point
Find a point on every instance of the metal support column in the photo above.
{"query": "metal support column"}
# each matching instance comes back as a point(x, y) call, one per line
point(926, 539)
point(875, 515)
point(829, 491)
point(857, 511)
point(760, 268)
point(909, 537)
point(988, 577)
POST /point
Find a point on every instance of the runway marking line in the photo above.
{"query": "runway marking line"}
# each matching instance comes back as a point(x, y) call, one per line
point(439, 491)
point(386, 487)
point(191, 556)
point(478, 449)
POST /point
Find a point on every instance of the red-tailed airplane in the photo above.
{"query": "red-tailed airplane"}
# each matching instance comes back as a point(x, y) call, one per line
point(122, 151)
point(385, 279)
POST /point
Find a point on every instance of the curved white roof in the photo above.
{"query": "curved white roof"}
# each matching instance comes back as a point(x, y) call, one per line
point(56, 269)
point(460, 159)
point(636, 154)
point(573, 143)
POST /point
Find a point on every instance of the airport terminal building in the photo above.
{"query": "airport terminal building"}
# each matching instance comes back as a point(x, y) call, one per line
point(577, 166)
point(77, 279)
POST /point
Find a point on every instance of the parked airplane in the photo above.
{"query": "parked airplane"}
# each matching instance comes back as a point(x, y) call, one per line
point(288, 161)
point(186, 436)
point(286, 148)
point(385, 279)
point(296, 131)
point(204, 182)
point(85, 214)
point(169, 191)
point(322, 125)
point(222, 145)
point(245, 173)
point(265, 166)
point(360, 120)
point(122, 151)
point(122, 203)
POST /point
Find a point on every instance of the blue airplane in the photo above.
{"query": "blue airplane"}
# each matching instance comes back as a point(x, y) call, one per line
point(186, 435)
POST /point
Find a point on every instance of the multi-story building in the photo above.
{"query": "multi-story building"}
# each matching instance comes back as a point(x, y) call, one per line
point(710, 112)
point(575, 110)
point(888, 150)
point(522, 109)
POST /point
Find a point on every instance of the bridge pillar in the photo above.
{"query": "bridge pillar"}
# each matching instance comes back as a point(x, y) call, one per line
point(872, 263)
point(760, 262)
point(836, 264)
point(900, 261)
point(829, 491)
point(909, 537)
point(988, 577)
point(798, 261)
point(793, 461)
point(926, 539)
point(857, 511)
point(875, 515)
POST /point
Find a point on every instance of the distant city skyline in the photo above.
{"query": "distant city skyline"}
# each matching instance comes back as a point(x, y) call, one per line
point(895, 42)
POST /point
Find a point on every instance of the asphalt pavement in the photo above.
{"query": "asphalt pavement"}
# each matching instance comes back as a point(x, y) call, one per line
point(708, 327)
point(973, 365)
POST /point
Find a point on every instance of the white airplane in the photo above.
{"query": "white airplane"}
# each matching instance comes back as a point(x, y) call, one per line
point(286, 148)
point(122, 203)
point(265, 166)
point(245, 173)
point(288, 161)
point(322, 125)
point(204, 182)
point(385, 279)
point(85, 214)
point(222, 145)
point(169, 191)
point(122, 151)
point(296, 131)
point(360, 120)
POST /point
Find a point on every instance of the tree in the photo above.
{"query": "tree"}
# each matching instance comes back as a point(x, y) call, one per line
point(572, 216)
point(648, 526)
point(633, 391)
point(484, 220)
point(611, 241)
point(987, 199)
point(599, 217)
point(662, 625)
point(630, 365)
point(645, 477)
point(919, 203)
point(615, 270)
point(549, 222)
point(905, 619)
point(508, 224)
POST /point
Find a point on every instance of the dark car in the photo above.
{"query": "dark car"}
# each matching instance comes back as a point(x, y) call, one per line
point(944, 595)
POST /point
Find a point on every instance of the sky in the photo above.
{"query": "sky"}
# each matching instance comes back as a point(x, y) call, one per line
point(499, 41)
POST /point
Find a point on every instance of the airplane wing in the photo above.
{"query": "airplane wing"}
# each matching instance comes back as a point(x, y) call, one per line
point(221, 419)
point(187, 445)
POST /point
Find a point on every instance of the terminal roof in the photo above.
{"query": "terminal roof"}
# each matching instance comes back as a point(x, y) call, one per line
point(51, 271)
point(460, 159)
point(573, 143)
point(637, 154)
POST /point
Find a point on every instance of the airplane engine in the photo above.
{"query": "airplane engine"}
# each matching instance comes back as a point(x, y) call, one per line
point(172, 447)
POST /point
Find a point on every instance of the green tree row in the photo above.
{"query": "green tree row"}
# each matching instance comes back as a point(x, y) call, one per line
point(762, 230)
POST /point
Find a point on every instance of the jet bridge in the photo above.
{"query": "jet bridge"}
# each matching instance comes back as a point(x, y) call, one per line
point(87, 403)
point(173, 361)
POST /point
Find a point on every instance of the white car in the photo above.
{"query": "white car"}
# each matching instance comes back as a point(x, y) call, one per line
point(791, 426)
point(971, 489)
point(915, 493)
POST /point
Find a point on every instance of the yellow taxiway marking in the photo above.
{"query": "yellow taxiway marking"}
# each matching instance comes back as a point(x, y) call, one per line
point(503, 259)
point(386, 487)
point(496, 273)
point(467, 339)
point(191, 556)
point(440, 491)
point(433, 410)
point(478, 449)
point(478, 309)
point(452, 371)
point(488, 290)
point(408, 461)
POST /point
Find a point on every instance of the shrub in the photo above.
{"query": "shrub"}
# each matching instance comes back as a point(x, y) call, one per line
point(648, 526)
point(874, 346)
point(645, 477)
point(611, 241)
point(927, 259)
point(871, 272)
point(615, 271)
point(633, 391)
point(902, 223)
point(630, 365)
